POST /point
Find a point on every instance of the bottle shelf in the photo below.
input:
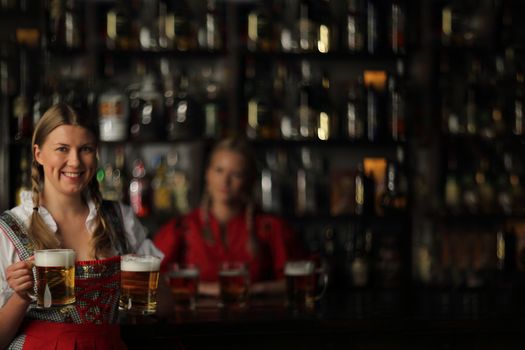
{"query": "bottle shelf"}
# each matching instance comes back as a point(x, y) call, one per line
point(331, 143)
point(330, 56)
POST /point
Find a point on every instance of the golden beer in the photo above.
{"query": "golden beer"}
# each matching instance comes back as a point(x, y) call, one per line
point(184, 283)
point(234, 285)
point(300, 284)
point(138, 283)
point(55, 277)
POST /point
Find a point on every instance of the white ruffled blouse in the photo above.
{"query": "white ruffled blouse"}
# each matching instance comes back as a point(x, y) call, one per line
point(135, 234)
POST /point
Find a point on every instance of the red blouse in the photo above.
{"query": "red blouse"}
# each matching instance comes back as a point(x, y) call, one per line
point(181, 240)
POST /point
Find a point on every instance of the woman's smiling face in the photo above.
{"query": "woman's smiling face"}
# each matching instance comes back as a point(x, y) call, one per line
point(69, 159)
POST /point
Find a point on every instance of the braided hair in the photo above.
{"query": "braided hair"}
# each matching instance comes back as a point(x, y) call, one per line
point(40, 234)
point(242, 147)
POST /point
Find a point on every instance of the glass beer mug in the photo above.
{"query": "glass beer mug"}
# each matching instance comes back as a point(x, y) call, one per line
point(139, 278)
point(234, 283)
point(183, 281)
point(305, 284)
point(55, 277)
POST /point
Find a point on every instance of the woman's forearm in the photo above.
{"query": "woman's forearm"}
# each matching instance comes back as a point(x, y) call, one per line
point(268, 287)
point(11, 317)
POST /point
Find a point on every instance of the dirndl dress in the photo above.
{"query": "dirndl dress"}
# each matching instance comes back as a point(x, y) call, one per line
point(90, 323)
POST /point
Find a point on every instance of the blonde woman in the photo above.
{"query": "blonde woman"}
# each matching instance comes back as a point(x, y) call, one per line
point(65, 210)
point(227, 227)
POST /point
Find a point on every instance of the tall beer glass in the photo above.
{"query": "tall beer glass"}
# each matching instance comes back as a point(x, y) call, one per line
point(302, 281)
point(233, 284)
point(183, 280)
point(138, 283)
point(55, 277)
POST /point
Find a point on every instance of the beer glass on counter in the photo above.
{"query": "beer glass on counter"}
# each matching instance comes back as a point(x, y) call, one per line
point(305, 284)
point(183, 281)
point(234, 284)
point(55, 277)
point(138, 283)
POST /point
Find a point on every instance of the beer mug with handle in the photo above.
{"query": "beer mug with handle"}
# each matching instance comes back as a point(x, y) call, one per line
point(305, 284)
point(139, 279)
point(55, 277)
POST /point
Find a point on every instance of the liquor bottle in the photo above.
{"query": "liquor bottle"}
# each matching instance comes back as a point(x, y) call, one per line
point(360, 265)
point(306, 114)
point(65, 25)
point(21, 104)
point(8, 79)
point(364, 195)
point(470, 197)
point(325, 113)
point(324, 27)
point(178, 181)
point(148, 25)
point(353, 123)
point(271, 184)
point(24, 181)
point(372, 27)
point(147, 112)
point(518, 107)
point(396, 107)
point(179, 31)
point(354, 27)
point(260, 122)
point(161, 189)
point(397, 26)
point(113, 114)
point(305, 27)
point(119, 34)
point(472, 97)
point(210, 34)
point(485, 187)
point(139, 190)
point(504, 193)
point(307, 183)
point(393, 200)
point(452, 191)
point(261, 35)
point(213, 106)
point(373, 126)
point(185, 116)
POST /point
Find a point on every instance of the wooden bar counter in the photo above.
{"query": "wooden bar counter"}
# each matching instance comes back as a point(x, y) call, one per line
point(336, 323)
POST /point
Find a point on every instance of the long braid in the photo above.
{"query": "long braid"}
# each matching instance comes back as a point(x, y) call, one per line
point(103, 236)
point(205, 212)
point(253, 241)
point(39, 232)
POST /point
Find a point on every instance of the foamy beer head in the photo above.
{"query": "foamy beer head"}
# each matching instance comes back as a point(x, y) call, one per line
point(139, 281)
point(55, 257)
point(55, 277)
point(300, 284)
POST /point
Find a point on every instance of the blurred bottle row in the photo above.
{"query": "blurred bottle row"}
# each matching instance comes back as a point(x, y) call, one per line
point(300, 102)
point(359, 255)
point(161, 185)
point(484, 178)
point(481, 24)
point(483, 95)
point(160, 100)
point(322, 26)
point(478, 255)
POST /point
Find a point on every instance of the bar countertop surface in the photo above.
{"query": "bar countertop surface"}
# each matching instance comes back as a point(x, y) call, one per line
point(335, 323)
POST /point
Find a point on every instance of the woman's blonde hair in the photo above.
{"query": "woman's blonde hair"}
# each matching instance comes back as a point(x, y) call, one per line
point(240, 146)
point(40, 234)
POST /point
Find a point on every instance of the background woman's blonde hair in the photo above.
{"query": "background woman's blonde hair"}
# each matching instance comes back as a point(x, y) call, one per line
point(241, 146)
point(39, 232)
